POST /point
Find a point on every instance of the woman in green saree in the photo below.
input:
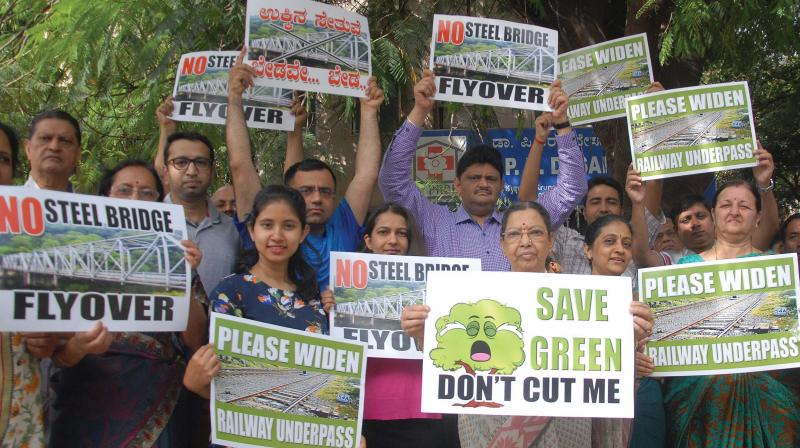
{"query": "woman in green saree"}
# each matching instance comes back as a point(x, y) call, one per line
point(738, 410)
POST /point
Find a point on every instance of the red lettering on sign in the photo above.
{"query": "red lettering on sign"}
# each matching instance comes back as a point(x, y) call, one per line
point(450, 32)
point(30, 212)
point(360, 277)
point(194, 66)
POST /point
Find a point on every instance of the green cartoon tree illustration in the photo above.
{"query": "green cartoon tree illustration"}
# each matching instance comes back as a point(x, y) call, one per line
point(482, 336)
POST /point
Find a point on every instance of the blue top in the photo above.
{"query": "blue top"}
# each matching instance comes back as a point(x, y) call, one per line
point(342, 234)
point(243, 295)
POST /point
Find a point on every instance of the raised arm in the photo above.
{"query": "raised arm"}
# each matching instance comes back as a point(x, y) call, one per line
point(368, 153)
point(396, 178)
point(762, 173)
point(294, 140)
point(166, 126)
point(246, 183)
point(571, 183)
point(529, 182)
point(643, 256)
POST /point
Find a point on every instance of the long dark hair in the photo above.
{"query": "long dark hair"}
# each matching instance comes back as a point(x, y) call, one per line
point(13, 140)
point(415, 244)
point(300, 271)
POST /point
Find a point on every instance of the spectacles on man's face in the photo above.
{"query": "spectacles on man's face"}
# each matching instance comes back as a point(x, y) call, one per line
point(515, 235)
point(127, 191)
point(323, 191)
point(182, 163)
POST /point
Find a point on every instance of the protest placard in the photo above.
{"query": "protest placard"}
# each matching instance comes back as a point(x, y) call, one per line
point(599, 77)
point(201, 94)
point(371, 292)
point(691, 130)
point(515, 343)
point(280, 387)
point(493, 62)
point(724, 316)
point(70, 260)
point(306, 45)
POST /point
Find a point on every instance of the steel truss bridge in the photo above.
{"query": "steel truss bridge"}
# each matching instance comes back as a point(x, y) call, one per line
point(219, 87)
point(532, 64)
point(333, 47)
point(388, 307)
point(151, 259)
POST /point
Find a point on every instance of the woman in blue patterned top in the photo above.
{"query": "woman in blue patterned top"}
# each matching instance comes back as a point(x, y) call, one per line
point(274, 284)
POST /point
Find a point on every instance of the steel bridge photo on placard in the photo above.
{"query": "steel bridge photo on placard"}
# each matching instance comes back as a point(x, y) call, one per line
point(212, 86)
point(665, 133)
point(378, 307)
point(98, 259)
point(287, 390)
point(489, 60)
point(313, 47)
point(724, 316)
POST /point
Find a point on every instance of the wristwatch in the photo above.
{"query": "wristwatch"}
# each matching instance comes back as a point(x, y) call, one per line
point(563, 125)
point(768, 188)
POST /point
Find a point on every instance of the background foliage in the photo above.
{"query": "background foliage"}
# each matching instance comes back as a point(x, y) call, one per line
point(111, 62)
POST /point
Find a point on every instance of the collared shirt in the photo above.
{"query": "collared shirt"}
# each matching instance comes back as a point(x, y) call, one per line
point(456, 234)
point(218, 239)
point(670, 257)
point(568, 248)
point(30, 183)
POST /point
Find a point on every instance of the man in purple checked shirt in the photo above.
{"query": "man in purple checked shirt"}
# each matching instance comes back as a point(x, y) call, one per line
point(473, 230)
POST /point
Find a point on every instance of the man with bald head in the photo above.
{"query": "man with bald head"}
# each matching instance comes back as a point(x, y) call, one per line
point(224, 200)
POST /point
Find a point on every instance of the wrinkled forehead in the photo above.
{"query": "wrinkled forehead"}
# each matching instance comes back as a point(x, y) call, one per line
point(55, 126)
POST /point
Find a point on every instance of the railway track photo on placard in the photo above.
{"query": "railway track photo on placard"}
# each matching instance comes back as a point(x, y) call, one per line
point(610, 78)
point(287, 390)
point(665, 133)
point(724, 316)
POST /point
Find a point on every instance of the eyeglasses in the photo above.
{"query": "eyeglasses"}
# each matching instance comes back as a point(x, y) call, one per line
point(182, 163)
point(126, 191)
point(323, 191)
point(515, 235)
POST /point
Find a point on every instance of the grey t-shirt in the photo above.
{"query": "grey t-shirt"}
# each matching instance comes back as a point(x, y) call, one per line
point(217, 238)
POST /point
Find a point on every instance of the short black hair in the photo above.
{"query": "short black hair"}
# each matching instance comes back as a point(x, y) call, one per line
point(13, 140)
point(191, 136)
point(781, 236)
point(56, 114)
point(686, 202)
point(480, 154)
point(104, 188)
point(307, 165)
point(604, 180)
